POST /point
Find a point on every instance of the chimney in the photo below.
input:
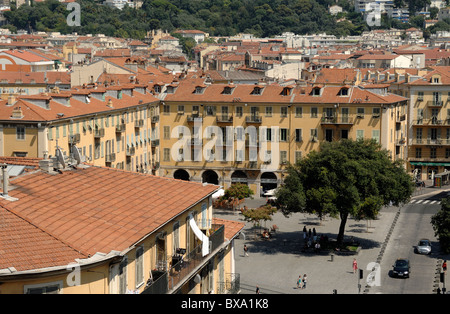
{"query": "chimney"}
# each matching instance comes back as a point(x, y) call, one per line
point(5, 179)
point(17, 113)
point(11, 100)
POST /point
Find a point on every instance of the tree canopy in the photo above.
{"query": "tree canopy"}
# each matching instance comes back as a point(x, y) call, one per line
point(344, 179)
point(441, 225)
point(263, 18)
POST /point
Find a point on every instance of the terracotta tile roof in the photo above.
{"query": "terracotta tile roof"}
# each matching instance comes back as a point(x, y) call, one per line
point(89, 210)
point(25, 246)
point(25, 55)
point(232, 228)
point(34, 112)
point(273, 94)
point(21, 161)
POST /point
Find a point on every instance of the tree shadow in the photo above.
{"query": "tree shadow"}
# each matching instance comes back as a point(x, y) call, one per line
point(292, 242)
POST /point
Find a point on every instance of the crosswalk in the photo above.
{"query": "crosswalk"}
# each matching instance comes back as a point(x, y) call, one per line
point(423, 202)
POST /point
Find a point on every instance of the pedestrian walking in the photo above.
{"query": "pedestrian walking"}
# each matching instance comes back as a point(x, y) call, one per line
point(299, 282)
point(304, 281)
point(355, 266)
point(245, 250)
point(257, 290)
point(304, 233)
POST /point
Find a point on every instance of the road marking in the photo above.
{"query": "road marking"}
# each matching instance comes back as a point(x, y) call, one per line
point(419, 201)
point(426, 201)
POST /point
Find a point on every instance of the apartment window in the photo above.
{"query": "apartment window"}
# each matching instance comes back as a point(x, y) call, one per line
point(418, 152)
point(283, 135)
point(314, 136)
point(20, 133)
point(123, 276)
point(447, 153)
point(50, 133)
point(376, 112)
point(47, 288)
point(284, 112)
point(433, 152)
point(166, 131)
point(298, 112)
point(360, 112)
point(239, 111)
point(376, 135)
point(269, 134)
point(359, 134)
point(298, 135)
point(166, 109)
point(180, 109)
point(269, 111)
point(210, 110)
point(419, 132)
point(314, 112)
point(139, 266)
point(166, 156)
point(298, 155)
point(420, 96)
point(283, 157)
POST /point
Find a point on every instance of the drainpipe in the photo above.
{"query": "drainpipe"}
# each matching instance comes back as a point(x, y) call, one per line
point(5, 179)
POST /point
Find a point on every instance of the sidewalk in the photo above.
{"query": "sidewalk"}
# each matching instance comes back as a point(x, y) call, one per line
point(275, 265)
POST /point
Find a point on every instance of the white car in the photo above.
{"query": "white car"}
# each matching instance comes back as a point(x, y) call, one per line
point(424, 247)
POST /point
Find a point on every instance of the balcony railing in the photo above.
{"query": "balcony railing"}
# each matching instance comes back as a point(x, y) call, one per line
point(336, 120)
point(185, 265)
point(231, 285)
point(182, 264)
point(435, 103)
point(253, 119)
point(224, 118)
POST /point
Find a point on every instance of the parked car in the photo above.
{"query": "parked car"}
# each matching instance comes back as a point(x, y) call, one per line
point(424, 247)
point(401, 268)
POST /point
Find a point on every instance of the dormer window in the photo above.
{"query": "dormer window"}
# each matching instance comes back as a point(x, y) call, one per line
point(256, 91)
point(227, 90)
point(199, 89)
point(171, 89)
point(315, 91)
point(157, 89)
point(343, 91)
point(286, 91)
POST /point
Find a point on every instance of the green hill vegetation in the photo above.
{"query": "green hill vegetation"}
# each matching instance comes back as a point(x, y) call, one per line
point(263, 18)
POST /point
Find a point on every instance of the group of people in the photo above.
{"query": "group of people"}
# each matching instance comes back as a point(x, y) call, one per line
point(301, 282)
point(311, 240)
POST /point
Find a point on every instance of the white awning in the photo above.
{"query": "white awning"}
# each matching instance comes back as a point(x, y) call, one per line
point(200, 235)
point(218, 194)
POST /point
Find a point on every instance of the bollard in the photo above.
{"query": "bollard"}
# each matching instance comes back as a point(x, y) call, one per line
point(332, 257)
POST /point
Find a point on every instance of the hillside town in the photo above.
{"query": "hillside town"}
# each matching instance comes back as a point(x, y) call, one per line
point(109, 119)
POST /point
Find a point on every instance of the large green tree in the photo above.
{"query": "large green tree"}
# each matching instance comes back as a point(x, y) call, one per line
point(441, 225)
point(345, 179)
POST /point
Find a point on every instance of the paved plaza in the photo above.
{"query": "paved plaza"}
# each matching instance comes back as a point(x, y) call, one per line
point(274, 265)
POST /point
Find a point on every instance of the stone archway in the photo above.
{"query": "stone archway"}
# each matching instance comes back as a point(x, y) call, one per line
point(181, 174)
point(210, 176)
point(239, 176)
point(269, 181)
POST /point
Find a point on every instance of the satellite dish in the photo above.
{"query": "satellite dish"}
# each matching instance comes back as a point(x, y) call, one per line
point(60, 157)
point(76, 154)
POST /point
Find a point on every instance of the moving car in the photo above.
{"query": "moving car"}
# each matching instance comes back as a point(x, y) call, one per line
point(401, 268)
point(424, 247)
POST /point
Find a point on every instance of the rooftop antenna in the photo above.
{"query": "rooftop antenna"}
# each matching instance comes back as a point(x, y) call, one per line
point(60, 157)
point(76, 154)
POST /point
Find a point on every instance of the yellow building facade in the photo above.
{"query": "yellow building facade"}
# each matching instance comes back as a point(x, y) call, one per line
point(429, 124)
point(225, 133)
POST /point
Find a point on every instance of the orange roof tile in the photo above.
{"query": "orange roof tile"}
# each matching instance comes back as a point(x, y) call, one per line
point(77, 213)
